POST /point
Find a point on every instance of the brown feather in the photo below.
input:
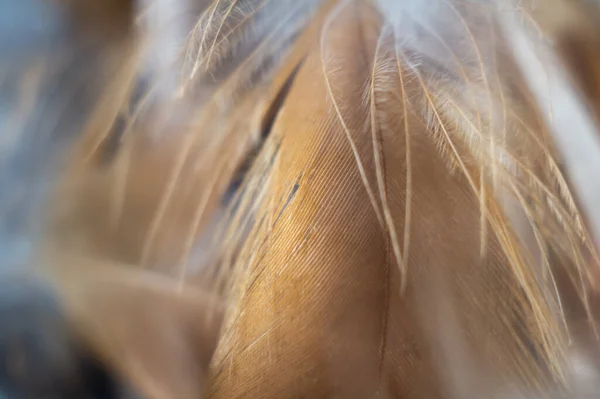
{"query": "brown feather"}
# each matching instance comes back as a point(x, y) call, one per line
point(411, 221)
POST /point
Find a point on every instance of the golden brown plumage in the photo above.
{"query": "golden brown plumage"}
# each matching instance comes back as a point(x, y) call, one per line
point(416, 216)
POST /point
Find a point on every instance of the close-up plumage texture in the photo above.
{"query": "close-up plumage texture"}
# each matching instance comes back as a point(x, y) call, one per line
point(300, 199)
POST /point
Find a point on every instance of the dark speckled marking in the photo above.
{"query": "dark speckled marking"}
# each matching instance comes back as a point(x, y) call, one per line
point(289, 198)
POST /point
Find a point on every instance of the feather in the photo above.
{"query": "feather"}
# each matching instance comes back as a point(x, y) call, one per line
point(382, 192)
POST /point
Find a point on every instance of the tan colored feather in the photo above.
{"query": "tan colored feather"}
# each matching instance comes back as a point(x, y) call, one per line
point(387, 151)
